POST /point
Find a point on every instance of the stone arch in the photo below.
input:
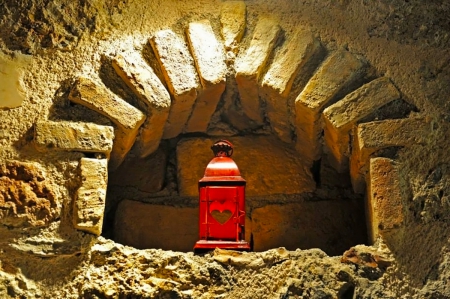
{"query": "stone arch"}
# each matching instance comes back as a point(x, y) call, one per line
point(328, 105)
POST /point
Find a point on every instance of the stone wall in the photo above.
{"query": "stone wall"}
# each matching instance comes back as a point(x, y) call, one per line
point(108, 109)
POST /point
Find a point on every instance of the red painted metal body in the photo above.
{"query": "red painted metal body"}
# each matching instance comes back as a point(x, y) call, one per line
point(222, 202)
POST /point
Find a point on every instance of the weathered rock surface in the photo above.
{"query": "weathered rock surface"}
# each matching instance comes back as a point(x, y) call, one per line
point(209, 57)
point(337, 72)
point(26, 197)
point(180, 75)
point(260, 159)
point(127, 118)
point(373, 136)
point(71, 136)
point(154, 99)
point(384, 198)
point(232, 21)
point(343, 115)
point(289, 61)
point(249, 67)
point(89, 201)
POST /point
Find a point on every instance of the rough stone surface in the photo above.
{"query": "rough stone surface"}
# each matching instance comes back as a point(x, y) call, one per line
point(249, 67)
point(180, 75)
point(11, 73)
point(384, 198)
point(232, 21)
point(26, 197)
point(71, 136)
point(272, 224)
point(154, 99)
point(89, 201)
point(127, 118)
point(147, 226)
point(339, 71)
point(373, 136)
point(343, 115)
point(406, 41)
point(277, 82)
point(146, 174)
point(209, 57)
point(260, 160)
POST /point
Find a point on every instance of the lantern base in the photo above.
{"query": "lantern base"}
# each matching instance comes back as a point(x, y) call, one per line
point(213, 244)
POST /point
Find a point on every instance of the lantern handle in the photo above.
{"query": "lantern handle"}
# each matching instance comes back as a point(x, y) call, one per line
point(222, 148)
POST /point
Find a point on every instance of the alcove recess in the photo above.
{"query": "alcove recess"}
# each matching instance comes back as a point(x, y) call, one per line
point(305, 121)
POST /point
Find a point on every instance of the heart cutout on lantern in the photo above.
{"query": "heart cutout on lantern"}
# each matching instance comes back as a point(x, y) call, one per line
point(222, 211)
point(221, 217)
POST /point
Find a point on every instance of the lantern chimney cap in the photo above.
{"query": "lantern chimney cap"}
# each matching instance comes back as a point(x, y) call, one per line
point(222, 148)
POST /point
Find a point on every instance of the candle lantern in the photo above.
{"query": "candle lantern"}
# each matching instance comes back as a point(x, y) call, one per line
point(222, 202)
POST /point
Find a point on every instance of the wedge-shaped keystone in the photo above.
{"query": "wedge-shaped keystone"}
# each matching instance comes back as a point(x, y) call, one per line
point(289, 61)
point(232, 20)
point(336, 73)
point(342, 116)
point(126, 118)
point(373, 136)
point(180, 75)
point(153, 97)
point(209, 57)
point(250, 66)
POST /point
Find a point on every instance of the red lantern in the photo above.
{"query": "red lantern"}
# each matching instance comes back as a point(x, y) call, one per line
point(222, 202)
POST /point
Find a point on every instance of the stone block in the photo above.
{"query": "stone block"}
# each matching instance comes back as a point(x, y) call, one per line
point(12, 91)
point(250, 65)
point(335, 74)
point(289, 61)
point(308, 224)
point(179, 72)
point(342, 116)
point(373, 136)
point(144, 226)
point(153, 97)
point(72, 136)
point(209, 58)
point(384, 198)
point(126, 118)
point(232, 21)
point(146, 174)
point(89, 202)
point(268, 165)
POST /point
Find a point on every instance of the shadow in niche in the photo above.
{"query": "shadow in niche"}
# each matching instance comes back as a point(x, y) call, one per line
point(155, 216)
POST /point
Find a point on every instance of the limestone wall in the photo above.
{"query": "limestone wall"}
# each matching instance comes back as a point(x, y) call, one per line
point(107, 109)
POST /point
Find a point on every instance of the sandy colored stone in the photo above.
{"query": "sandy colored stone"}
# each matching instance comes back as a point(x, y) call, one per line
point(209, 58)
point(337, 72)
point(89, 201)
point(306, 224)
point(145, 226)
point(295, 53)
point(146, 174)
point(250, 65)
point(343, 115)
point(153, 96)
point(26, 197)
point(127, 119)
point(71, 136)
point(373, 136)
point(267, 164)
point(180, 75)
point(11, 87)
point(232, 21)
point(384, 198)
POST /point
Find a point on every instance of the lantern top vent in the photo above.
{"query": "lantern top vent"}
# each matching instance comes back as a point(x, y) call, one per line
point(222, 168)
